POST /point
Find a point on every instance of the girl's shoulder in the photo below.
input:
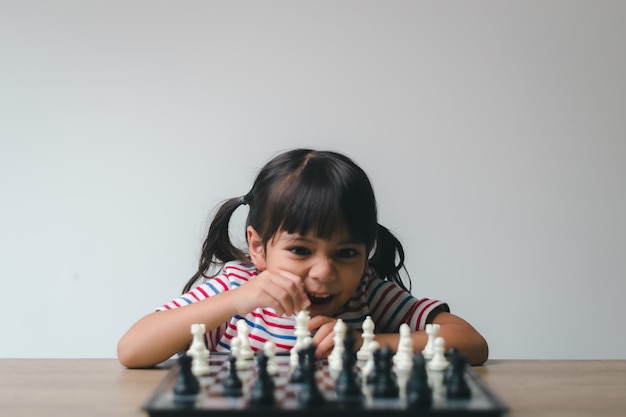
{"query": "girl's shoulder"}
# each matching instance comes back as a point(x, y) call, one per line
point(239, 270)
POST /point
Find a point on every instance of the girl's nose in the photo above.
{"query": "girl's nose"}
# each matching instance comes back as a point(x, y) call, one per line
point(322, 269)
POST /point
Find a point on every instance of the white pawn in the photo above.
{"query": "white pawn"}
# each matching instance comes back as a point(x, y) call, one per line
point(302, 325)
point(403, 359)
point(432, 330)
point(368, 367)
point(368, 336)
point(294, 360)
point(302, 332)
point(245, 350)
point(235, 348)
point(269, 348)
point(439, 361)
point(198, 351)
point(335, 359)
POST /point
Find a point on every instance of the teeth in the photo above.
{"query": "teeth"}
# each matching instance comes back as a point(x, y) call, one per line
point(319, 297)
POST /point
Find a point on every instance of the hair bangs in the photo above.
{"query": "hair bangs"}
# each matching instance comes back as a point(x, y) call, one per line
point(307, 208)
point(323, 197)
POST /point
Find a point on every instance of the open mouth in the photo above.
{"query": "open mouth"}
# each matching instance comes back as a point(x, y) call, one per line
point(318, 299)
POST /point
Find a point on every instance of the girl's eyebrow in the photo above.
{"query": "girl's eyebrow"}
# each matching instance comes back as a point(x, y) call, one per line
point(293, 237)
point(303, 238)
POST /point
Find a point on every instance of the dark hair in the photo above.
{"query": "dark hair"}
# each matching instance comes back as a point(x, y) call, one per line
point(306, 190)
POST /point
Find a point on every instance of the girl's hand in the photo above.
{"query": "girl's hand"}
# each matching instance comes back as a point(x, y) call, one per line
point(323, 328)
point(281, 290)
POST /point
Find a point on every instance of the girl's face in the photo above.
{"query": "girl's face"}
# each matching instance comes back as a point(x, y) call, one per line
point(330, 269)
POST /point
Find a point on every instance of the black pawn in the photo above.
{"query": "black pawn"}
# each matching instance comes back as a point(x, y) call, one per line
point(373, 375)
point(309, 394)
point(451, 355)
point(386, 385)
point(418, 392)
point(187, 386)
point(297, 376)
point(233, 387)
point(347, 386)
point(457, 386)
point(262, 392)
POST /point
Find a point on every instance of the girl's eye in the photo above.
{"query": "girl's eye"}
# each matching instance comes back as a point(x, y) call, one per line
point(299, 250)
point(347, 253)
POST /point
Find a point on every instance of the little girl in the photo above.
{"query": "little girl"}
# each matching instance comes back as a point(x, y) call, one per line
point(314, 243)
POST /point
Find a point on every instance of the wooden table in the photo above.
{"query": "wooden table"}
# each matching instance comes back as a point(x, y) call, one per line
point(102, 387)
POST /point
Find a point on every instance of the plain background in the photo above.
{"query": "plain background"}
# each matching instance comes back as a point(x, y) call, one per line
point(494, 133)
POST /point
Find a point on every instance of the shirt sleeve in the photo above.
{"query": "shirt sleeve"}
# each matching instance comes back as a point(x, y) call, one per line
point(233, 275)
point(391, 306)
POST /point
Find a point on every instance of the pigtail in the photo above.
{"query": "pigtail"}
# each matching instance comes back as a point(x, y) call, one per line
point(388, 258)
point(217, 248)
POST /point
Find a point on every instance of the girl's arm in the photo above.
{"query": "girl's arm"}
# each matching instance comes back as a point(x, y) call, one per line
point(455, 331)
point(161, 334)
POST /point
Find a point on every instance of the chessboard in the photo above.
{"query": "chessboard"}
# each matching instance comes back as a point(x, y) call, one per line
point(288, 398)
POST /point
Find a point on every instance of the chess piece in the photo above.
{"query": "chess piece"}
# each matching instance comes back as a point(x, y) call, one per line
point(309, 394)
point(403, 359)
point(232, 385)
point(386, 385)
point(198, 351)
point(374, 371)
point(432, 330)
point(451, 355)
point(262, 391)
point(438, 361)
point(297, 375)
point(187, 386)
point(364, 353)
point(418, 391)
point(347, 386)
point(368, 369)
point(336, 355)
point(457, 386)
point(245, 350)
point(302, 332)
point(269, 348)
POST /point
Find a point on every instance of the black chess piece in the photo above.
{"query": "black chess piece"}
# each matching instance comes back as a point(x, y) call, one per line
point(187, 386)
point(418, 391)
point(457, 386)
point(451, 354)
point(262, 392)
point(386, 385)
point(347, 386)
point(373, 375)
point(232, 384)
point(297, 375)
point(309, 394)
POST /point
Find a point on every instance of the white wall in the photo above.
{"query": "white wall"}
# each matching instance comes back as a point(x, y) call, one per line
point(494, 133)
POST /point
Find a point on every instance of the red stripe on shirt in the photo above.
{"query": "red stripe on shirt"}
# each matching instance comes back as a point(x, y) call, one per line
point(389, 304)
point(203, 292)
point(425, 309)
point(270, 323)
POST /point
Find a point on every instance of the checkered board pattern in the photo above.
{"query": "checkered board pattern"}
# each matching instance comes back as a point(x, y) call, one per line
point(211, 402)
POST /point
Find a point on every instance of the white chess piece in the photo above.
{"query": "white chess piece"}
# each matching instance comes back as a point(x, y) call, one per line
point(432, 330)
point(302, 332)
point(235, 348)
point(403, 359)
point(198, 351)
point(368, 336)
point(335, 359)
point(269, 348)
point(368, 367)
point(245, 350)
point(439, 361)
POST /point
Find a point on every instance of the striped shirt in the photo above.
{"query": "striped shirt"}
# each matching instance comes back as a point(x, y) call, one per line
point(387, 304)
